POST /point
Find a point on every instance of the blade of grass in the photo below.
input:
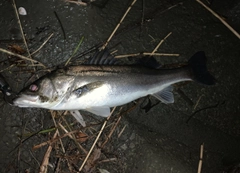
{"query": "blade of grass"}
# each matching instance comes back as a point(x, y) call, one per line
point(74, 52)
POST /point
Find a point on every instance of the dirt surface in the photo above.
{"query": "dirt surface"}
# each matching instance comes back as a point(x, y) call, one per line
point(162, 140)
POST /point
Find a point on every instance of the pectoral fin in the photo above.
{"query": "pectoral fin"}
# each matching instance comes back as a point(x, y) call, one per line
point(78, 117)
point(165, 95)
point(101, 111)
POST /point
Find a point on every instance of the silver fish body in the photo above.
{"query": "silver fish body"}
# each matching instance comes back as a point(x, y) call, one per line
point(98, 88)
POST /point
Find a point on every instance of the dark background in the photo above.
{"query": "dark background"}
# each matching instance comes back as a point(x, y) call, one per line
point(157, 141)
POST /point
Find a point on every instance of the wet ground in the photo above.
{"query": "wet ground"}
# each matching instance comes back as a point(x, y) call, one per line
point(161, 140)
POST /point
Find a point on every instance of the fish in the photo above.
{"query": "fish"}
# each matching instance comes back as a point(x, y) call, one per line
point(103, 84)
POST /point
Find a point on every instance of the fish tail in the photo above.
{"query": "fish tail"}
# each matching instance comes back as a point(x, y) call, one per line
point(199, 68)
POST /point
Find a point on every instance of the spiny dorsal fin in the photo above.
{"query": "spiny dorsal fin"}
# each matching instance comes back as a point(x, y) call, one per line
point(165, 95)
point(102, 57)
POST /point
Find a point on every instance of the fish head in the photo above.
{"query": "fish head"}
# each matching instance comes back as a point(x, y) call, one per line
point(41, 94)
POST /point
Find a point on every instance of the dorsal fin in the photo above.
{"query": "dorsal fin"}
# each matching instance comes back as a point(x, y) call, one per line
point(149, 61)
point(102, 57)
point(146, 61)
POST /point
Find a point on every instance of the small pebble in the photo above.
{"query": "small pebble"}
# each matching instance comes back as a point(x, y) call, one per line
point(22, 11)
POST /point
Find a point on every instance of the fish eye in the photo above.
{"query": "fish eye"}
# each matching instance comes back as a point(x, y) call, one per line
point(33, 87)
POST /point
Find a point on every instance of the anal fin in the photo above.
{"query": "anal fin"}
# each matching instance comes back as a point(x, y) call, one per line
point(165, 95)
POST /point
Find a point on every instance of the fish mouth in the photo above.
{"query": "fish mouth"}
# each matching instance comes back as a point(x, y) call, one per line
point(25, 100)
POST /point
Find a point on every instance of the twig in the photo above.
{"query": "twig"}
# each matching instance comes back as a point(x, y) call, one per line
point(21, 29)
point(8, 68)
point(53, 140)
point(200, 160)
point(209, 107)
point(217, 16)
point(197, 102)
point(43, 167)
point(184, 96)
point(129, 8)
point(160, 43)
point(111, 132)
point(146, 53)
point(72, 137)
point(30, 151)
point(50, 36)
point(75, 50)
point(60, 23)
point(53, 114)
point(99, 134)
point(120, 133)
point(77, 2)
point(143, 16)
point(21, 56)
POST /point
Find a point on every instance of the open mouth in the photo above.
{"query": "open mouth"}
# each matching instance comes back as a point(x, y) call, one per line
point(25, 100)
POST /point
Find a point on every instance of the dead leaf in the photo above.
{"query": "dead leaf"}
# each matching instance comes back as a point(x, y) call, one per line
point(92, 161)
point(81, 137)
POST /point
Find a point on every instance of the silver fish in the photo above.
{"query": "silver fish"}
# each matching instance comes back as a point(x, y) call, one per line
point(97, 88)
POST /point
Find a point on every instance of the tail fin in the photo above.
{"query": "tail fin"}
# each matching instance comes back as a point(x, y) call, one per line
point(199, 68)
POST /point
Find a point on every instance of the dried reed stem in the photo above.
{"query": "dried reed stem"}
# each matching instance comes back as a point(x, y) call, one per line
point(50, 36)
point(99, 134)
point(125, 14)
point(146, 53)
point(200, 160)
point(44, 165)
point(160, 43)
point(21, 56)
point(21, 29)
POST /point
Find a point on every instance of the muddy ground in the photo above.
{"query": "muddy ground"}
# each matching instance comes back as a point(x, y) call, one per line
point(161, 140)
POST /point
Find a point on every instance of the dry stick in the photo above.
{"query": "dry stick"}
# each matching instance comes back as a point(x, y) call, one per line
point(122, 131)
point(21, 56)
point(146, 53)
point(200, 160)
point(217, 16)
point(21, 29)
point(50, 36)
point(197, 102)
point(44, 165)
point(53, 140)
point(76, 2)
point(72, 137)
point(111, 132)
point(129, 8)
point(53, 114)
point(160, 43)
point(99, 134)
